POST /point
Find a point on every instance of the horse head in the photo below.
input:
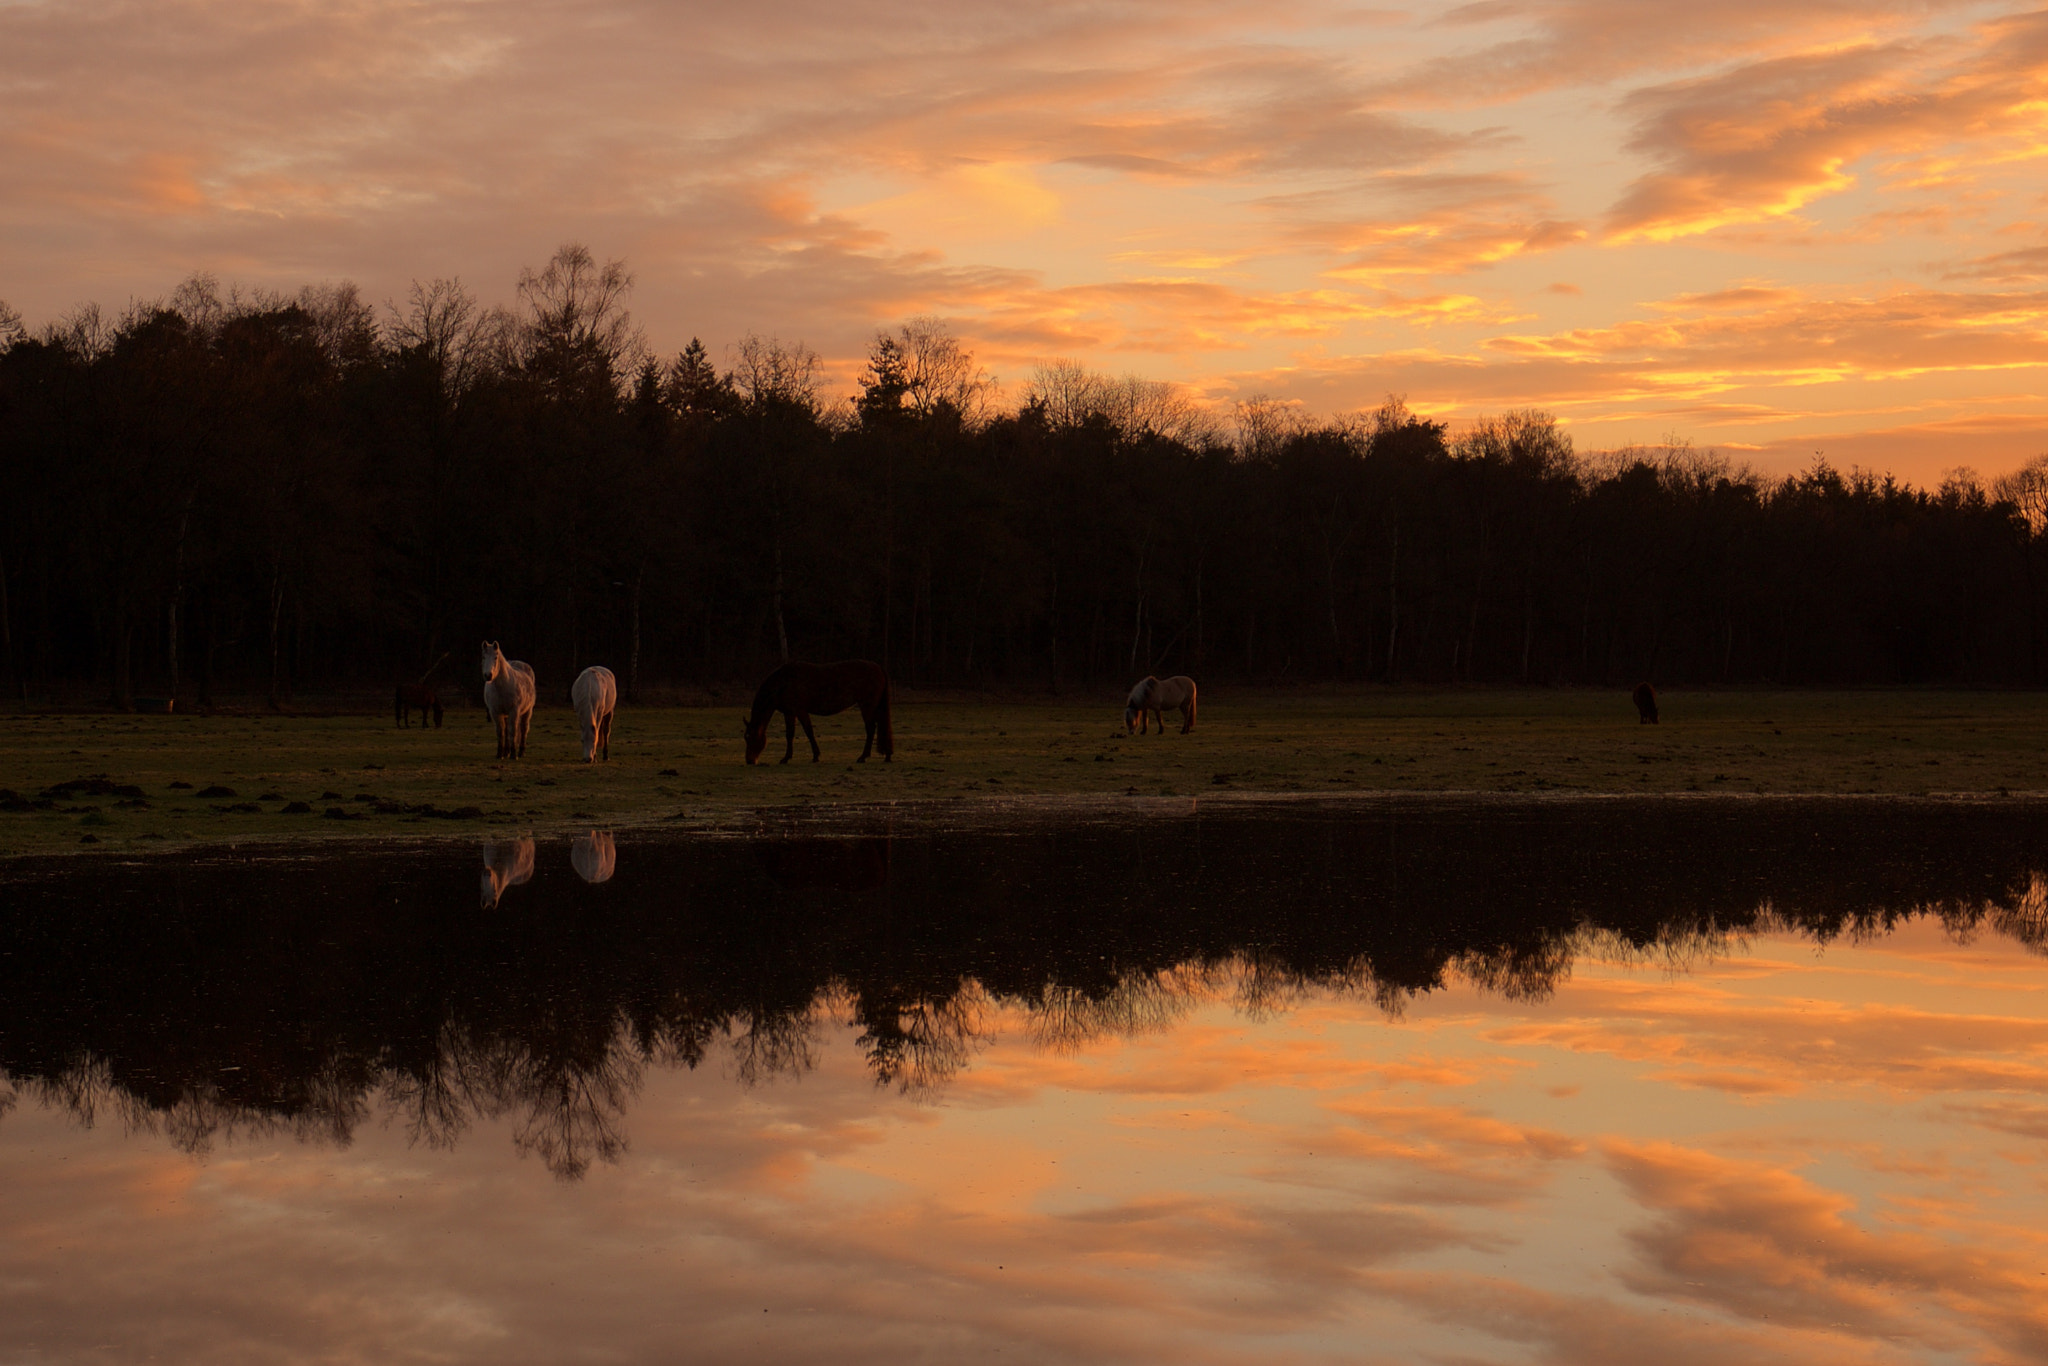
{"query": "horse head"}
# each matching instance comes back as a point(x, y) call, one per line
point(494, 660)
point(756, 734)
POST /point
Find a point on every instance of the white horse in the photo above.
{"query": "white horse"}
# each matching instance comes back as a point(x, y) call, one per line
point(1153, 696)
point(505, 865)
point(595, 696)
point(508, 697)
point(593, 857)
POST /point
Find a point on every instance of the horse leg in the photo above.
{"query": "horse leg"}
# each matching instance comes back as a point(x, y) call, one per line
point(809, 734)
point(525, 724)
point(604, 737)
point(789, 737)
point(868, 724)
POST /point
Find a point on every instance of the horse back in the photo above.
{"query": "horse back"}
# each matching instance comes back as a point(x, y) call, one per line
point(823, 689)
point(596, 691)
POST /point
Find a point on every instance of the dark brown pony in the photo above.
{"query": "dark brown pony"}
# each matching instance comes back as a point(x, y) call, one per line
point(1645, 698)
point(411, 695)
point(801, 691)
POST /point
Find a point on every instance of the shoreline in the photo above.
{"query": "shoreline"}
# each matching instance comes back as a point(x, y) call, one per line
point(976, 815)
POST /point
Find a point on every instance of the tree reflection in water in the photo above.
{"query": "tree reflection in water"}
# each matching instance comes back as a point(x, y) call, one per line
point(213, 997)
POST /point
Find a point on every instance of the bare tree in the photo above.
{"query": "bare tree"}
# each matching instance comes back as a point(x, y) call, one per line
point(443, 322)
point(574, 326)
point(1071, 395)
point(85, 331)
point(2026, 488)
point(1264, 425)
point(938, 371)
point(765, 371)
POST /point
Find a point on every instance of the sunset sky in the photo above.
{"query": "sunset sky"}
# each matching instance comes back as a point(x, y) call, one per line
point(1770, 228)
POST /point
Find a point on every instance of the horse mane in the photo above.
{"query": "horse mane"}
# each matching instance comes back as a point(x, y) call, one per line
point(888, 735)
point(765, 697)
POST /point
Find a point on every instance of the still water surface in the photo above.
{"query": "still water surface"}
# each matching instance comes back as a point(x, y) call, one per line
point(1585, 1083)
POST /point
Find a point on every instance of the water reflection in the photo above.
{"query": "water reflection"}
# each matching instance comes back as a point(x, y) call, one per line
point(825, 865)
point(594, 856)
point(508, 863)
point(207, 997)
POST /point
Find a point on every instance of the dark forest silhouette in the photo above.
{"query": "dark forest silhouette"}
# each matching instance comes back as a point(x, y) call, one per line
point(267, 492)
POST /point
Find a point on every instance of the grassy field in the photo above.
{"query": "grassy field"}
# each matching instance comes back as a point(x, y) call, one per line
point(169, 781)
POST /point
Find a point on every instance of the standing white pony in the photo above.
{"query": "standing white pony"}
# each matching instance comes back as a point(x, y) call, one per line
point(595, 696)
point(508, 697)
point(1153, 696)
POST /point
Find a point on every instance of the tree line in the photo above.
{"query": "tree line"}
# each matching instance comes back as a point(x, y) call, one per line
point(259, 492)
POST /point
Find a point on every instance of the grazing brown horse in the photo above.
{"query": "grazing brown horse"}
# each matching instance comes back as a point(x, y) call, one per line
point(1645, 698)
point(411, 695)
point(801, 691)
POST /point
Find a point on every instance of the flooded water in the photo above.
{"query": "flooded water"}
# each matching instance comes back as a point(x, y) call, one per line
point(1558, 1082)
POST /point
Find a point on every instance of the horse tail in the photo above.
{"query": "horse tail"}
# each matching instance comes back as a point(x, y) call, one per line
point(885, 733)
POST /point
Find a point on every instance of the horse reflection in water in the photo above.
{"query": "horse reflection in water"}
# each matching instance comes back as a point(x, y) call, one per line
point(594, 857)
point(506, 864)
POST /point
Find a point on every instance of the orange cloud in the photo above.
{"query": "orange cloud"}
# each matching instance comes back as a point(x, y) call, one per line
point(1763, 1244)
point(1703, 1037)
point(1765, 139)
